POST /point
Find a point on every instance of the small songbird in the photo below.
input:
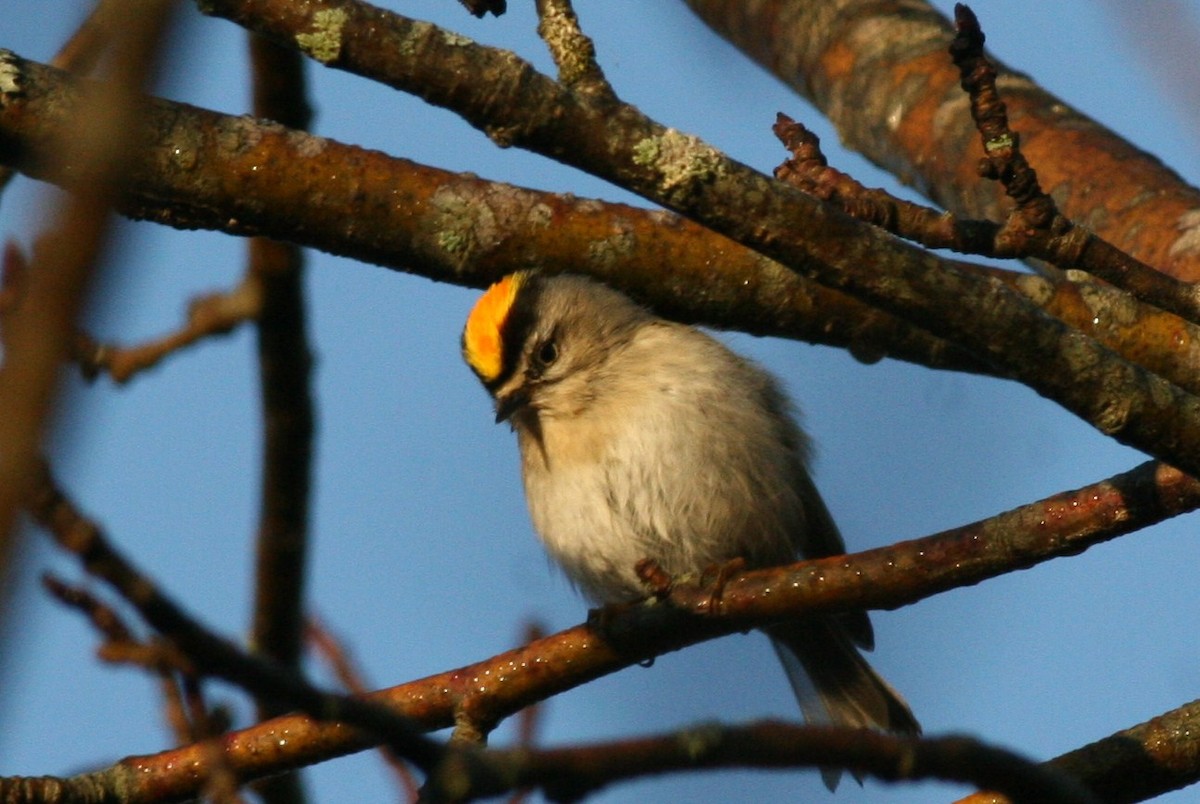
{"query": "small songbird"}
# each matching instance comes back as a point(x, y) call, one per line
point(644, 438)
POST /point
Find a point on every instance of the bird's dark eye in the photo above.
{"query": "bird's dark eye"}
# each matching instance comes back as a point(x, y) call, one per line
point(547, 353)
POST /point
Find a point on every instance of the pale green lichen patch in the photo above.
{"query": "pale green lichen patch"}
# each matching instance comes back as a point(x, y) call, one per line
point(1188, 242)
point(1037, 289)
point(682, 161)
point(608, 252)
point(462, 221)
point(10, 75)
point(410, 43)
point(325, 42)
point(455, 243)
point(455, 39)
point(645, 152)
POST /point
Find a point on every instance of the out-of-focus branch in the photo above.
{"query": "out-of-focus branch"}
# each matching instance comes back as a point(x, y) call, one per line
point(209, 655)
point(571, 774)
point(1134, 764)
point(39, 322)
point(243, 176)
point(207, 316)
point(486, 692)
point(190, 717)
point(884, 80)
point(285, 362)
point(80, 53)
point(515, 105)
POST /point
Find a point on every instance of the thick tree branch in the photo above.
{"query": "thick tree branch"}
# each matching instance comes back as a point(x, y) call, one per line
point(884, 80)
point(448, 227)
point(247, 177)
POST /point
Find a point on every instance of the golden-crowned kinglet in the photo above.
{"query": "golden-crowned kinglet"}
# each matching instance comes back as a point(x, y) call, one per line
point(645, 438)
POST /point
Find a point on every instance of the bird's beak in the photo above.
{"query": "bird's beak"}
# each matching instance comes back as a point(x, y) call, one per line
point(510, 403)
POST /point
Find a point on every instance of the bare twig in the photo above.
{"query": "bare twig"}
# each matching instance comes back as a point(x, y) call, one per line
point(572, 50)
point(209, 315)
point(1036, 228)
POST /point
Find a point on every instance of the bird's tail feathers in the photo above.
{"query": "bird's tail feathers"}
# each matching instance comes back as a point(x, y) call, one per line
point(835, 685)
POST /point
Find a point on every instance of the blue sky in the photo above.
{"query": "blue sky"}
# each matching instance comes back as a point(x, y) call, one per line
point(423, 557)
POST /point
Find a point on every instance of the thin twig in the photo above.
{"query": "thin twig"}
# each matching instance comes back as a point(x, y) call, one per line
point(1155, 339)
point(209, 315)
point(1036, 228)
point(572, 50)
point(284, 360)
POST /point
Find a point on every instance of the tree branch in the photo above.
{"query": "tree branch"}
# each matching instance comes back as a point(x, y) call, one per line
point(515, 105)
point(1144, 334)
point(486, 692)
point(246, 177)
point(285, 363)
point(1036, 227)
point(884, 80)
point(1135, 764)
point(210, 654)
point(571, 774)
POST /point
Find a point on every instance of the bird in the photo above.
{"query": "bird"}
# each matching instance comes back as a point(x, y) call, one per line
point(644, 438)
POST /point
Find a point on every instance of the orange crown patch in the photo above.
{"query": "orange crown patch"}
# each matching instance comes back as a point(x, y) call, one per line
point(481, 342)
